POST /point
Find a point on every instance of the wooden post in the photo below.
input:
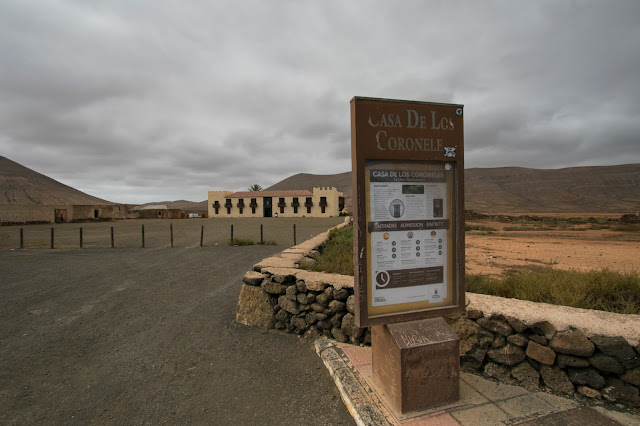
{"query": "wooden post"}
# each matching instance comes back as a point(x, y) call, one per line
point(81, 237)
point(231, 234)
point(201, 234)
point(294, 234)
point(21, 238)
point(112, 245)
point(261, 239)
point(143, 235)
point(52, 238)
point(171, 229)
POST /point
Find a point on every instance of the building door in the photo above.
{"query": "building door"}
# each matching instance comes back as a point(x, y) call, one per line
point(61, 215)
point(266, 202)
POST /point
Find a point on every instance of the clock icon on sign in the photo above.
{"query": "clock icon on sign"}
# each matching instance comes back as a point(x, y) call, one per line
point(382, 279)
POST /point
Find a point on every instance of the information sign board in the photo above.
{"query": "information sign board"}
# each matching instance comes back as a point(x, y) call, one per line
point(408, 177)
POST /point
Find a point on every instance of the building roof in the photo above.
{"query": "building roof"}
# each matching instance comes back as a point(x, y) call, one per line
point(257, 194)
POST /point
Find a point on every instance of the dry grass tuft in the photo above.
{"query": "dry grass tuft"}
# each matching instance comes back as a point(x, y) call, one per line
point(604, 290)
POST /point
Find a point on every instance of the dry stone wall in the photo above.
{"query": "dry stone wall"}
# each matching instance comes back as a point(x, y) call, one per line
point(538, 346)
point(45, 213)
point(276, 294)
point(30, 213)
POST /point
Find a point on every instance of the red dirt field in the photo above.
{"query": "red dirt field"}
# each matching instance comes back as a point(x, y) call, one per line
point(492, 248)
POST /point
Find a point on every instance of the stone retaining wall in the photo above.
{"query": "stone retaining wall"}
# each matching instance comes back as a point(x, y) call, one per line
point(276, 294)
point(567, 350)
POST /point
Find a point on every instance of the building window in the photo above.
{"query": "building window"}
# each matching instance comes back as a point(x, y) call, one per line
point(281, 204)
point(228, 205)
point(295, 204)
point(308, 204)
point(323, 204)
point(216, 206)
point(240, 205)
point(253, 205)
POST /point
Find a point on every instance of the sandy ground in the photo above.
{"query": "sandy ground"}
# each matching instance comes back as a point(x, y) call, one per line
point(494, 252)
point(491, 247)
point(126, 335)
point(157, 232)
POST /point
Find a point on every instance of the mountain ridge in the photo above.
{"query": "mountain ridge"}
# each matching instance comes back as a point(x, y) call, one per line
point(584, 189)
point(22, 185)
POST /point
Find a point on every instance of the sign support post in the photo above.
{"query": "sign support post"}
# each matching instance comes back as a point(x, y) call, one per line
point(408, 180)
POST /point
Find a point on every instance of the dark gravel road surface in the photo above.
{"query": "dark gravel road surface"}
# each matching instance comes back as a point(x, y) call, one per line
point(147, 336)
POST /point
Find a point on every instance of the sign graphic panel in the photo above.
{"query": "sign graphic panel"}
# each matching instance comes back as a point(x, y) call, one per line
point(408, 230)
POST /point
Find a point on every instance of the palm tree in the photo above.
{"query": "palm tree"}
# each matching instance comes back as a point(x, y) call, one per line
point(255, 187)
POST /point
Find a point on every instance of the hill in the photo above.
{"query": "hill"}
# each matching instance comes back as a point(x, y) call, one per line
point(183, 205)
point(21, 185)
point(605, 189)
point(342, 181)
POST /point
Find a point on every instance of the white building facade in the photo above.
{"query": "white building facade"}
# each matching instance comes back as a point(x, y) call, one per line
point(321, 202)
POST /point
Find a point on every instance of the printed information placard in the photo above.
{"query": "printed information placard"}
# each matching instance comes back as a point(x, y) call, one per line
point(408, 235)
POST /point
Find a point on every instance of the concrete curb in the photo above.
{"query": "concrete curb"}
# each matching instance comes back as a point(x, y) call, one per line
point(354, 392)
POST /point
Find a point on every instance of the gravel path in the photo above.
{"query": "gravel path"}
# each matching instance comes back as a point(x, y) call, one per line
point(133, 336)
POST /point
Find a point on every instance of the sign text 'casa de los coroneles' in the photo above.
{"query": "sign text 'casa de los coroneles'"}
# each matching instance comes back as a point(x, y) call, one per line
point(386, 139)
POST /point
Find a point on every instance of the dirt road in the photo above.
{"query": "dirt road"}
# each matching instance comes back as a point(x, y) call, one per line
point(133, 336)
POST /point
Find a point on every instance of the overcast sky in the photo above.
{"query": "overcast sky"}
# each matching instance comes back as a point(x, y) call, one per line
point(138, 101)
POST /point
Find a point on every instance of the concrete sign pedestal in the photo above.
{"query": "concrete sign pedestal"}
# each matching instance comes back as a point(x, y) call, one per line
point(416, 363)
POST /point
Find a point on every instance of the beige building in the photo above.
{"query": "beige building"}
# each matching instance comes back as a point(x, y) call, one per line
point(322, 202)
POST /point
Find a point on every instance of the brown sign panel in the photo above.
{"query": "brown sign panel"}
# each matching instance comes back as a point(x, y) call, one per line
point(408, 176)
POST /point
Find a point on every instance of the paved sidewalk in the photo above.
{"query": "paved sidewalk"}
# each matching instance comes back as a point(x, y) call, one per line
point(482, 402)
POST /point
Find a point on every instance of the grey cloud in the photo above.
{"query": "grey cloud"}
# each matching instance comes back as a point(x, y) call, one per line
point(168, 100)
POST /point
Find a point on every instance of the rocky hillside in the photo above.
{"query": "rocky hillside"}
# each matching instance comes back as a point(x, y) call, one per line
point(341, 181)
point(21, 185)
point(183, 205)
point(607, 189)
